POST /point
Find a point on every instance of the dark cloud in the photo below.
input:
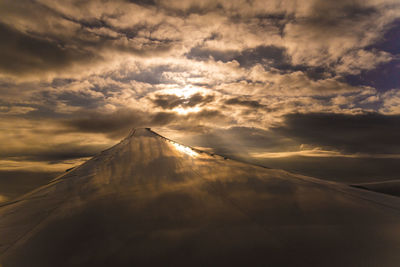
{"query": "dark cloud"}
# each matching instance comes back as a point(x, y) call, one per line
point(335, 15)
point(206, 114)
point(244, 102)
point(315, 73)
point(143, 2)
point(201, 53)
point(54, 153)
point(167, 101)
point(80, 99)
point(371, 133)
point(278, 20)
point(22, 53)
point(116, 124)
point(70, 41)
point(267, 55)
point(100, 35)
point(194, 8)
point(272, 56)
point(163, 118)
point(173, 101)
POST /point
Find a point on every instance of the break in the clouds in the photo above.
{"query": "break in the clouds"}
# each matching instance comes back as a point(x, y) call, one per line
point(292, 76)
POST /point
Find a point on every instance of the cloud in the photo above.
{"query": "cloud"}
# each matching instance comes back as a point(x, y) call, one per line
point(116, 124)
point(243, 102)
point(271, 56)
point(81, 74)
point(331, 29)
point(65, 42)
point(371, 133)
point(391, 102)
point(16, 110)
point(173, 101)
point(22, 53)
point(54, 153)
point(356, 61)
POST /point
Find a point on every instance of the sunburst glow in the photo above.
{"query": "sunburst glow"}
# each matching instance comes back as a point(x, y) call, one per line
point(184, 111)
point(184, 92)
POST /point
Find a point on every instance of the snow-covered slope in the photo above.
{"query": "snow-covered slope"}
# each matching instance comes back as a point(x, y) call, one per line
point(151, 202)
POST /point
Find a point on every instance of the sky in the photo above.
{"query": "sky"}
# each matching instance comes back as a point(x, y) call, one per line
point(262, 80)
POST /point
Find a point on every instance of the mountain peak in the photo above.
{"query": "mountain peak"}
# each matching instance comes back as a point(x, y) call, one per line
point(149, 201)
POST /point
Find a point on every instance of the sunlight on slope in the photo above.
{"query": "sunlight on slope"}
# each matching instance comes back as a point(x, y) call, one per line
point(185, 149)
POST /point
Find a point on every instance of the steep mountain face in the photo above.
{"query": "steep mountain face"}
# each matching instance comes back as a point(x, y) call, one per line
point(151, 202)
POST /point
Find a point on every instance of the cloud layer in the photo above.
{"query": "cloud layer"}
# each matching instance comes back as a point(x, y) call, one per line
point(75, 76)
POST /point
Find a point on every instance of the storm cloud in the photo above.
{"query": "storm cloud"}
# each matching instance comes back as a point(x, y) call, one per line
point(172, 101)
point(371, 133)
point(21, 53)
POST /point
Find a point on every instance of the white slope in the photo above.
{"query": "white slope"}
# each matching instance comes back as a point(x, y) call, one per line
point(150, 202)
